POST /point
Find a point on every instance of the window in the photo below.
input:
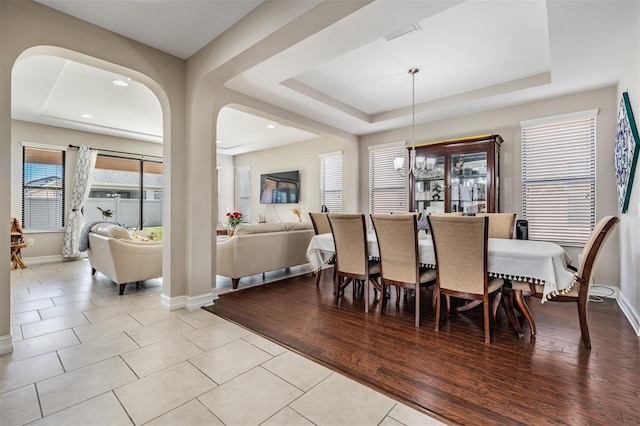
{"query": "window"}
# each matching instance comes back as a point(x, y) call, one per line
point(130, 187)
point(42, 187)
point(386, 185)
point(244, 192)
point(331, 181)
point(558, 177)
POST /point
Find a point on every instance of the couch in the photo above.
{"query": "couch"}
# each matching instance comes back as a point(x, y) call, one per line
point(263, 247)
point(121, 256)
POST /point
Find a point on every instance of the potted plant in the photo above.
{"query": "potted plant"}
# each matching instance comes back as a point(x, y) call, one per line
point(436, 189)
point(106, 213)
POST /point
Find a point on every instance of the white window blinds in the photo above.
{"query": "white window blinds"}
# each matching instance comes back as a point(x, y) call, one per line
point(386, 185)
point(331, 182)
point(558, 178)
point(244, 193)
point(42, 188)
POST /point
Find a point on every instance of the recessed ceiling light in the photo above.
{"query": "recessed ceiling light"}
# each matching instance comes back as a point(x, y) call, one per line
point(218, 142)
point(271, 126)
point(86, 115)
point(119, 82)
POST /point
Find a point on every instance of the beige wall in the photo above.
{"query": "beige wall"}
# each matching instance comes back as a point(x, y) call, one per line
point(302, 156)
point(629, 227)
point(506, 123)
point(29, 28)
point(49, 244)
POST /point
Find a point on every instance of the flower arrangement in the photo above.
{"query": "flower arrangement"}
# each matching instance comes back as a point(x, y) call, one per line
point(298, 212)
point(234, 218)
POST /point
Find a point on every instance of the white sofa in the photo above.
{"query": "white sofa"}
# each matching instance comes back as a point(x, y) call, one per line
point(258, 248)
point(122, 258)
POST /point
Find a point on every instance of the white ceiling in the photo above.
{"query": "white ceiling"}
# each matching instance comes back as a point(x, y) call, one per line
point(473, 56)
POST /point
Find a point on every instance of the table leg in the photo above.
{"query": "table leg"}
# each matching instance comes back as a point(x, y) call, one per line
point(522, 305)
point(469, 305)
point(507, 303)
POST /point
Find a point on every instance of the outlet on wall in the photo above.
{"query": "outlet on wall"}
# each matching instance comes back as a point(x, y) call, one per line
point(30, 241)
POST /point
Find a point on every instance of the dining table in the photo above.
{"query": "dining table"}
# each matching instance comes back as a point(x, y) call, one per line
point(538, 262)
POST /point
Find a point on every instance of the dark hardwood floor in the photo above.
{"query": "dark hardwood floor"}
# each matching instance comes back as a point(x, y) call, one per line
point(549, 379)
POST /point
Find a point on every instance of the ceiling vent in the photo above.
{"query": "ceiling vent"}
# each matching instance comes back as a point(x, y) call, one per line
point(402, 31)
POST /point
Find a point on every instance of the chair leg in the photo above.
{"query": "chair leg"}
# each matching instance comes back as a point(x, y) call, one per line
point(122, 286)
point(522, 305)
point(318, 277)
point(437, 303)
point(417, 309)
point(433, 298)
point(366, 296)
point(582, 314)
point(487, 322)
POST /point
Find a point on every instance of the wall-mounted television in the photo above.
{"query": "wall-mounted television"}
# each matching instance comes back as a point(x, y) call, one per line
point(280, 188)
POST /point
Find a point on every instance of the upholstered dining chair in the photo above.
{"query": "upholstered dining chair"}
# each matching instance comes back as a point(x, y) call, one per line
point(460, 244)
point(501, 225)
point(579, 293)
point(397, 237)
point(321, 225)
point(352, 255)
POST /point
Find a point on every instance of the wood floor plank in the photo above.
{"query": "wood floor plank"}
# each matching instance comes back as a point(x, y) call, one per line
point(546, 379)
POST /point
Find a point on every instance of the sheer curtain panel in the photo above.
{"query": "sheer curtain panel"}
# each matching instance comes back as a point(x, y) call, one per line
point(79, 194)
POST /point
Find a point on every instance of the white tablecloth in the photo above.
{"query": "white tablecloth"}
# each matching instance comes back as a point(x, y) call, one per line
point(540, 262)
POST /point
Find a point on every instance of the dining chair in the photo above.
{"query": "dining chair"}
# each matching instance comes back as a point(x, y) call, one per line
point(397, 237)
point(501, 225)
point(460, 245)
point(321, 225)
point(579, 292)
point(352, 255)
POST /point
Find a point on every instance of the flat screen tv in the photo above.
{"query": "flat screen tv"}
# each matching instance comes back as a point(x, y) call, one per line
point(280, 188)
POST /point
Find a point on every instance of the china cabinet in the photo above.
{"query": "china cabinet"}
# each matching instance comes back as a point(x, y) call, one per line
point(462, 175)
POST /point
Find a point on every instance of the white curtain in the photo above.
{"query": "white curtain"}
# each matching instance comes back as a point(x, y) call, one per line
point(79, 194)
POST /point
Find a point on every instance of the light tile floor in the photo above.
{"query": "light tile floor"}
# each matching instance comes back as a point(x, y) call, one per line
point(85, 356)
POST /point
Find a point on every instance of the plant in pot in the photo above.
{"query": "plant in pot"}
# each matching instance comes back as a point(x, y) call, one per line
point(106, 213)
point(436, 190)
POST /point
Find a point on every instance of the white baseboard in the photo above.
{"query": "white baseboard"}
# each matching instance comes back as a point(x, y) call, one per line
point(629, 312)
point(186, 302)
point(613, 292)
point(6, 344)
point(48, 259)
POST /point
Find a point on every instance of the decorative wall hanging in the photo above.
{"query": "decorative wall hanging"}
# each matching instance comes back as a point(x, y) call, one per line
point(626, 154)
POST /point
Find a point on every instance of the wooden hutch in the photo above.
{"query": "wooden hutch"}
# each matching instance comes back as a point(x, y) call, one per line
point(464, 177)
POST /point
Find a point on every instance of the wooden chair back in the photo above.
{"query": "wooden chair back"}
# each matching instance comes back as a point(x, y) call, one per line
point(592, 249)
point(350, 240)
point(460, 244)
point(320, 223)
point(501, 225)
point(397, 237)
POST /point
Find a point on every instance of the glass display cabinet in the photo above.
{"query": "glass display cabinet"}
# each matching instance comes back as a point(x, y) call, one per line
point(460, 175)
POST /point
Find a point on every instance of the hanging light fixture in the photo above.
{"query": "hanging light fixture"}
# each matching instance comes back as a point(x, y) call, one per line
point(417, 165)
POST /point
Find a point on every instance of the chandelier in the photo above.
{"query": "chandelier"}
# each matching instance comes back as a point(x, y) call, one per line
point(417, 165)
